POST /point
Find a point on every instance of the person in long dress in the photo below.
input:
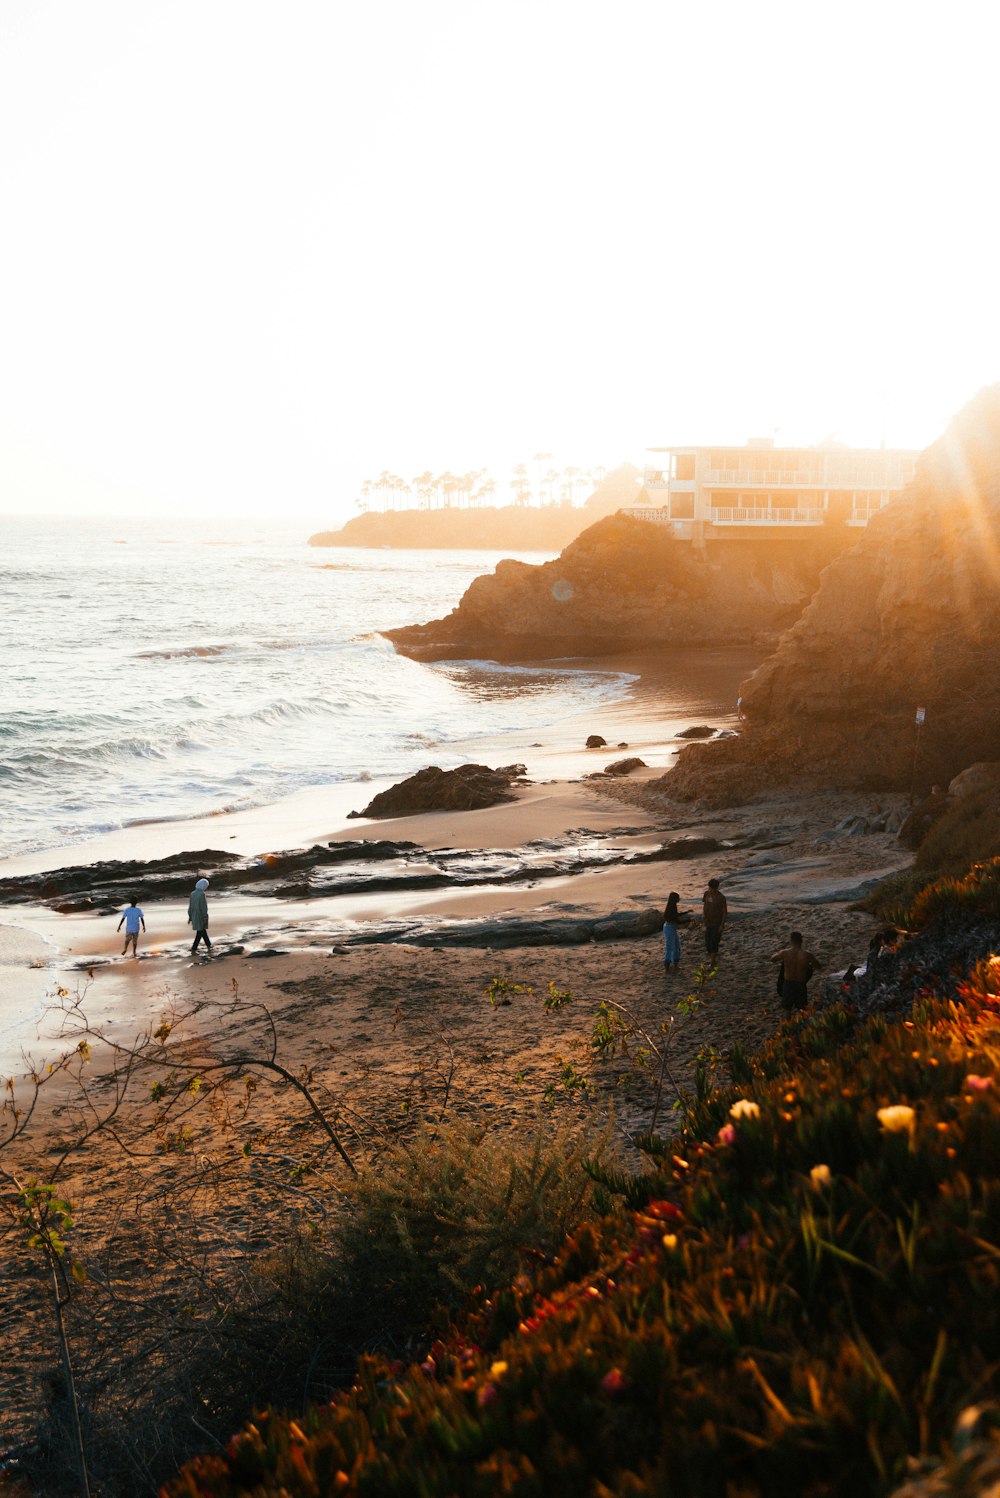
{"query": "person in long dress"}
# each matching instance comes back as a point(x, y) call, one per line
point(671, 939)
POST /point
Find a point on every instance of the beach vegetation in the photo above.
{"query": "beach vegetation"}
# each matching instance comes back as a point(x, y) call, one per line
point(618, 1044)
point(804, 1299)
point(965, 834)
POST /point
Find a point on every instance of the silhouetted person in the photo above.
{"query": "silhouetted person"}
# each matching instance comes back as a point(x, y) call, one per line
point(198, 914)
point(671, 939)
point(797, 967)
point(133, 918)
point(715, 909)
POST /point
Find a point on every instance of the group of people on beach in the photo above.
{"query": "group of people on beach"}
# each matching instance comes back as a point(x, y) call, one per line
point(795, 965)
point(134, 920)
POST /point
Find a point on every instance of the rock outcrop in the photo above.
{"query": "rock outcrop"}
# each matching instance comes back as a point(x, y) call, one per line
point(629, 585)
point(467, 788)
point(908, 618)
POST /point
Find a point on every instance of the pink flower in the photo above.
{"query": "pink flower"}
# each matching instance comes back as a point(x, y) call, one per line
point(974, 1083)
point(614, 1382)
point(727, 1134)
point(486, 1396)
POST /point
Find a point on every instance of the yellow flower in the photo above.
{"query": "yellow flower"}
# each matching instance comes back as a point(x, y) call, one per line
point(744, 1108)
point(670, 1240)
point(898, 1119)
point(497, 1370)
point(820, 1176)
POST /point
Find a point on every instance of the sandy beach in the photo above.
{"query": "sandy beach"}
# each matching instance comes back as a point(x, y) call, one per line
point(387, 1032)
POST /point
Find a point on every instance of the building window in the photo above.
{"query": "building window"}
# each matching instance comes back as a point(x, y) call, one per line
point(684, 468)
point(682, 507)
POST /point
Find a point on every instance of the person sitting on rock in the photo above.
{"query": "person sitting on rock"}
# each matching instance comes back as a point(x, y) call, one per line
point(797, 967)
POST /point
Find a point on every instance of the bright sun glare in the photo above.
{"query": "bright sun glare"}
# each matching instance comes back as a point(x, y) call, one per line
point(256, 254)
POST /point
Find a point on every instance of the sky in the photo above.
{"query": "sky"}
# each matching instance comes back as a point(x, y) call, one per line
point(255, 253)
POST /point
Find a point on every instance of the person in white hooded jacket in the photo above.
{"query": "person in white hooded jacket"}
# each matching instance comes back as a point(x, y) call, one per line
point(198, 914)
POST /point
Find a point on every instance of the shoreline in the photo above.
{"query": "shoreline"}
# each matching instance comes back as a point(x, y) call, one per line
point(582, 820)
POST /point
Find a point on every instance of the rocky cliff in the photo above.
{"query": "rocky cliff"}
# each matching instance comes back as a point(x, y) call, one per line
point(627, 585)
point(907, 618)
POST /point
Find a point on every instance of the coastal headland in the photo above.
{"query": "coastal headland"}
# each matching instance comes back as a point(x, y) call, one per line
point(398, 967)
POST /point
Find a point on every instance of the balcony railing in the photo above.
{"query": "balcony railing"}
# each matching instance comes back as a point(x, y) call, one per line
point(648, 512)
point(773, 515)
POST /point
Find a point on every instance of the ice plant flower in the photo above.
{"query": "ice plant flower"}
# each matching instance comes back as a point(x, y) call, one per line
point(975, 1083)
point(487, 1396)
point(744, 1108)
point(497, 1370)
point(614, 1382)
point(820, 1176)
point(670, 1240)
point(727, 1134)
point(897, 1119)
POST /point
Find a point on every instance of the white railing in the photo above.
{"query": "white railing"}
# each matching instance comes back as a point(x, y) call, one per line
point(775, 515)
point(649, 512)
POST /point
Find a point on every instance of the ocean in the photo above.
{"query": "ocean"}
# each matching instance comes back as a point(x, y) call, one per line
point(157, 669)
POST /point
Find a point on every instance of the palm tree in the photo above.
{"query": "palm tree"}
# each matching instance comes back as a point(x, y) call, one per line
point(538, 459)
point(422, 487)
point(486, 491)
point(573, 477)
point(520, 485)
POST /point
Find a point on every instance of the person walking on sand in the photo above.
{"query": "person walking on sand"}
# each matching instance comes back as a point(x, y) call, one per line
point(715, 909)
point(198, 914)
point(133, 918)
point(797, 967)
point(671, 939)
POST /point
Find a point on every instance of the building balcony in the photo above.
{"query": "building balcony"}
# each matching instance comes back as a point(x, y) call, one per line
point(771, 515)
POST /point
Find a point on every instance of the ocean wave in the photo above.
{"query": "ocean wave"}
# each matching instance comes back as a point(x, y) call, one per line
point(236, 648)
point(186, 652)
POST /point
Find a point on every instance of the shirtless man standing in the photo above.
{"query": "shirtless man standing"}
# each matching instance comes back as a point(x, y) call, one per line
point(715, 911)
point(799, 966)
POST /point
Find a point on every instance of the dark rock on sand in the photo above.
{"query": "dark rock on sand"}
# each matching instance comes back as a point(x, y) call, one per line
point(468, 788)
point(594, 741)
point(625, 766)
point(691, 847)
point(697, 731)
point(514, 931)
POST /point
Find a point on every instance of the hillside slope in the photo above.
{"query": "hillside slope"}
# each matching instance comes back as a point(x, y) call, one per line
point(908, 618)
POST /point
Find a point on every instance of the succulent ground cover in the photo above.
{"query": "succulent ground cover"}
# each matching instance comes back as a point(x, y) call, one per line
point(800, 1296)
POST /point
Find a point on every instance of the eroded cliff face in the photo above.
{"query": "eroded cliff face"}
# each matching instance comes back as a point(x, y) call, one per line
point(627, 585)
point(907, 618)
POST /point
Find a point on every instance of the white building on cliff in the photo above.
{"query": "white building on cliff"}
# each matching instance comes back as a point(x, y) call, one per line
point(761, 490)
